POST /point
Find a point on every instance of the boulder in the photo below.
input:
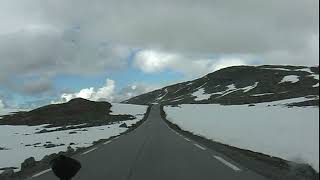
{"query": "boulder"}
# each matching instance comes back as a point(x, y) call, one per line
point(8, 173)
point(50, 145)
point(28, 163)
point(70, 149)
point(3, 148)
point(46, 159)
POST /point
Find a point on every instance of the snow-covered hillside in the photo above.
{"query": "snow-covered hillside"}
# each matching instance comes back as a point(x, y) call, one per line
point(240, 85)
point(18, 143)
point(269, 128)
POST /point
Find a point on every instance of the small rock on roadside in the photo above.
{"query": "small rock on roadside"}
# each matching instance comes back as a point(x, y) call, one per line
point(48, 158)
point(8, 173)
point(30, 162)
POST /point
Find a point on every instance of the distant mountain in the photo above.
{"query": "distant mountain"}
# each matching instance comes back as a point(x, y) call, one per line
point(76, 111)
point(241, 85)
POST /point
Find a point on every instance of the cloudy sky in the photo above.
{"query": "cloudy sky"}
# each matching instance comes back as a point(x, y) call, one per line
point(55, 50)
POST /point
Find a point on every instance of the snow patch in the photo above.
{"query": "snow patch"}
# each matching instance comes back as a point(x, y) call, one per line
point(22, 142)
point(280, 69)
point(249, 88)
point(285, 102)
point(316, 77)
point(290, 78)
point(232, 88)
point(264, 94)
point(161, 96)
point(200, 95)
point(288, 133)
point(305, 70)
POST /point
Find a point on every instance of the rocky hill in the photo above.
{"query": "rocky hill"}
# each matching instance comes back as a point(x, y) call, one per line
point(241, 85)
point(76, 111)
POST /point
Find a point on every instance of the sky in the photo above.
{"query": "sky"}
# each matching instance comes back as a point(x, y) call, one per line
point(55, 50)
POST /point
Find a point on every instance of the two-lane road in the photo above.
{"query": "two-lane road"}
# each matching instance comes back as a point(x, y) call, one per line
point(155, 152)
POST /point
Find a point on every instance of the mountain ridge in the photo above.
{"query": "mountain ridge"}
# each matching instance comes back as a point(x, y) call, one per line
point(240, 85)
point(76, 111)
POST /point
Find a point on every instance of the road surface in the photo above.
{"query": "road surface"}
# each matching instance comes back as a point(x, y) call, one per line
point(155, 152)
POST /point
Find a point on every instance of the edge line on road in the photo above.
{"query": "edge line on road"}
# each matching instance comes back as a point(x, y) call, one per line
point(233, 167)
point(107, 142)
point(187, 139)
point(200, 147)
point(93, 149)
point(41, 173)
point(173, 130)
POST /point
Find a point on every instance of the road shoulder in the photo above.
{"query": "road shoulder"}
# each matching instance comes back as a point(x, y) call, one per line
point(270, 167)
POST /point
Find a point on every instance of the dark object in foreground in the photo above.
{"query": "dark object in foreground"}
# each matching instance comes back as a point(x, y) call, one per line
point(64, 167)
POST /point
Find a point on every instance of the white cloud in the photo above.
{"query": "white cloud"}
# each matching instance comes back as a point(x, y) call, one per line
point(153, 61)
point(227, 62)
point(1, 104)
point(108, 92)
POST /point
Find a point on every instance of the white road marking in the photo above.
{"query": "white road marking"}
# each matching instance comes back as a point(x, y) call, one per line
point(41, 173)
point(173, 130)
point(107, 142)
point(89, 151)
point(187, 139)
point(235, 168)
point(116, 138)
point(200, 147)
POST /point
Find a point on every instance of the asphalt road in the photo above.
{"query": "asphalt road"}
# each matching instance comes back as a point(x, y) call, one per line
point(155, 152)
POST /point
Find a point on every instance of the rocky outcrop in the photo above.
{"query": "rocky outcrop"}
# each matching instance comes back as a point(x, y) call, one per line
point(75, 112)
point(123, 125)
point(28, 163)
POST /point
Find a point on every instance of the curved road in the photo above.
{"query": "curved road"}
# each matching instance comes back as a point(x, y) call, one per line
point(155, 152)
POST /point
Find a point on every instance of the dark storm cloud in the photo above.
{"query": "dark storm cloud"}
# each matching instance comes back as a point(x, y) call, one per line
point(234, 26)
point(49, 53)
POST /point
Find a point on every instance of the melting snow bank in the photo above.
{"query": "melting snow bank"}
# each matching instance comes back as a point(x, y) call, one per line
point(289, 133)
point(18, 143)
